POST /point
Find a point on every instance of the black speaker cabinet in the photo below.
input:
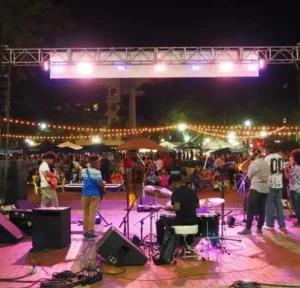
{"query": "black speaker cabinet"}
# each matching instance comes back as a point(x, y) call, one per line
point(16, 181)
point(119, 251)
point(9, 232)
point(51, 228)
point(23, 219)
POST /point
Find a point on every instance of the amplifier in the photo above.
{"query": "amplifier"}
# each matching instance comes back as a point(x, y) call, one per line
point(23, 219)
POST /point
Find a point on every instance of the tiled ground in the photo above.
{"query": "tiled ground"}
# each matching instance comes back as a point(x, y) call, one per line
point(271, 258)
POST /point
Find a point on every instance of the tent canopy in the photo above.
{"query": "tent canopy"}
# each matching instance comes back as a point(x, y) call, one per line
point(69, 144)
point(141, 143)
point(188, 146)
point(168, 145)
point(215, 144)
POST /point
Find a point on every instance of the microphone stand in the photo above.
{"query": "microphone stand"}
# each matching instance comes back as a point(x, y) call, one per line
point(222, 237)
point(125, 220)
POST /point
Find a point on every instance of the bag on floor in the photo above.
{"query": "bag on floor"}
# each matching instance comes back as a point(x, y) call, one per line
point(168, 248)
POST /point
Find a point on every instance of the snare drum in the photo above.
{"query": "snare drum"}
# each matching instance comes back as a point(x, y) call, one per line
point(208, 226)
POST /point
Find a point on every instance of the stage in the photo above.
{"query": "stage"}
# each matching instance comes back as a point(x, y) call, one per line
point(270, 258)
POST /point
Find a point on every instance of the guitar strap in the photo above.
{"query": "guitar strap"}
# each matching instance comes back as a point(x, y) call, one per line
point(96, 184)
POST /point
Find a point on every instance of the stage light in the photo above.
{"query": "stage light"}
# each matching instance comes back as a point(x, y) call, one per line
point(196, 67)
point(85, 68)
point(252, 67)
point(46, 66)
point(58, 69)
point(206, 140)
point(160, 67)
point(226, 67)
point(121, 68)
point(261, 64)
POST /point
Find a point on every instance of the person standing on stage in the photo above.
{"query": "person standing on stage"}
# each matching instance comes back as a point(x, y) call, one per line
point(92, 192)
point(294, 186)
point(47, 184)
point(258, 174)
point(276, 163)
point(135, 185)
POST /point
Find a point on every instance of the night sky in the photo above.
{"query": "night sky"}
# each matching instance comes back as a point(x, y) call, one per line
point(163, 23)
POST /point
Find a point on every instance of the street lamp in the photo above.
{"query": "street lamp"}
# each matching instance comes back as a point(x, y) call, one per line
point(248, 123)
point(43, 126)
point(182, 127)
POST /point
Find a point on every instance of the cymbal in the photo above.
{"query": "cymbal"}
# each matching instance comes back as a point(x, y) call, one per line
point(157, 191)
point(211, 202)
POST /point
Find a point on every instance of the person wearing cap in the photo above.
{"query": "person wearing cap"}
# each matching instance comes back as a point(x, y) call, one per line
point(49, 196)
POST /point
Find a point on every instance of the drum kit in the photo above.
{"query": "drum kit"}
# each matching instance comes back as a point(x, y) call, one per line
point(208, 223)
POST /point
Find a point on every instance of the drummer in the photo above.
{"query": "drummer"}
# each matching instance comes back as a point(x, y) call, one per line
point(184, 203)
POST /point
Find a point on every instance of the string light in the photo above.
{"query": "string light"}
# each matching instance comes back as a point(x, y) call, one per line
point(90, 129)
point(120, 134)
point(240, 131)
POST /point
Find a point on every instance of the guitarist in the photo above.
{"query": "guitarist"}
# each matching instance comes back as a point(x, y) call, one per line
point(49, 195)
point(92, 192)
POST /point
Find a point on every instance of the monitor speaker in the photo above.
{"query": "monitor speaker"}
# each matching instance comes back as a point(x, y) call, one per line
point(119, 251)
point(9, 232)
point(23, 219)
point(51, 228)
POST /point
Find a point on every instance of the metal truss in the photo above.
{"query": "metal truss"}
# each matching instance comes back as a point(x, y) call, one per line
point(148, 56)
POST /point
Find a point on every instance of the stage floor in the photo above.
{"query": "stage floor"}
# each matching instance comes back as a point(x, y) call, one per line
point(270, 258)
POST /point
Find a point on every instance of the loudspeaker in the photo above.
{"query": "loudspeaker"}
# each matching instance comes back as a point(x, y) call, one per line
point(25, 205)
point(23, 219)
point(52, 228)
point(9, 232)
point(119, 251)
point(16, 181)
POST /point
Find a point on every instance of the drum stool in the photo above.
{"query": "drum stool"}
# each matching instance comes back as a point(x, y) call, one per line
point(184, 231)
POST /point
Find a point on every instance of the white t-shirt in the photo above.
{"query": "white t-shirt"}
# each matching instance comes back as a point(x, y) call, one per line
point(42, 170)
point(277, 165)
point(159, 164)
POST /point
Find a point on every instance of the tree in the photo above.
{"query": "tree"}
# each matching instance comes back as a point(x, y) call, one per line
point(31, 23)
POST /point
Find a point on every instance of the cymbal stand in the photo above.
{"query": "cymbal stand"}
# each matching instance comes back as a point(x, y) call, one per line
point(142, 228)
point(222, 237)
point(242, 190)
point(125, 221)
point(151, 236)
point(207, 246)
